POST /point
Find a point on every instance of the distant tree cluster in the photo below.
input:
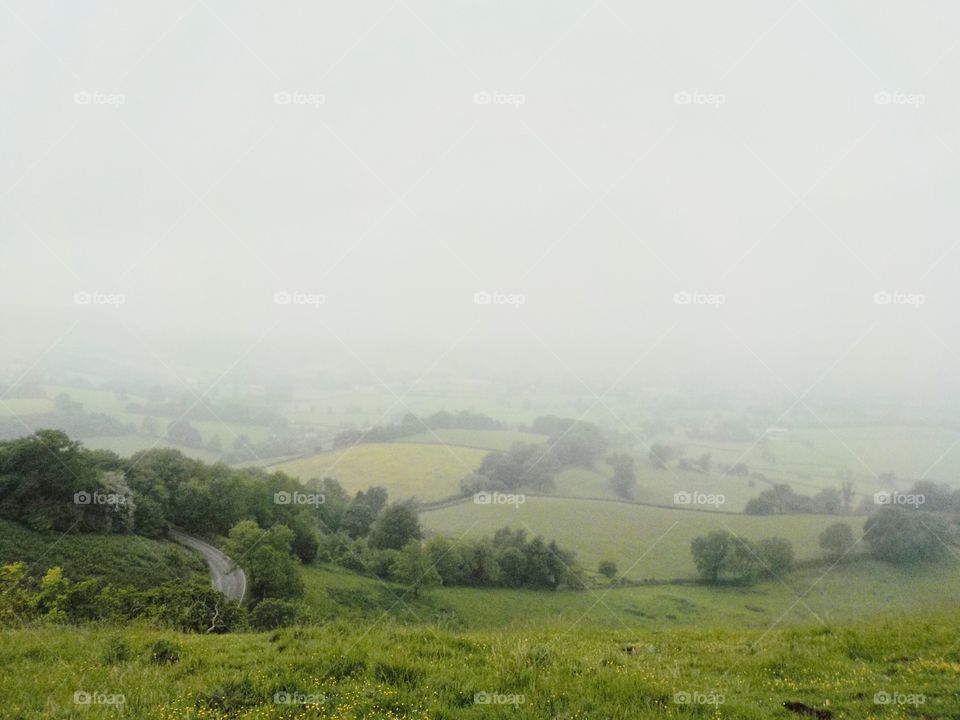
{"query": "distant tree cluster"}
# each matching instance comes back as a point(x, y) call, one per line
point(507, 559)
point(781, 499)
point(721, 554)
point(532, 466)
point(410, 424)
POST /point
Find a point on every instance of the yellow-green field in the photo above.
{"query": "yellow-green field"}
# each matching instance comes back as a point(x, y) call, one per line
point(645, 542)
point(427, 472)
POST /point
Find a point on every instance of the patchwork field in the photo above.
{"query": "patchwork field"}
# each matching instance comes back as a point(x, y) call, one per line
point(645, 542)
point(428, 472)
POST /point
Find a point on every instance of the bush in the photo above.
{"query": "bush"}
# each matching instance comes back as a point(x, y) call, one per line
point(271, 614)
point(164, 652)
point(117, 650)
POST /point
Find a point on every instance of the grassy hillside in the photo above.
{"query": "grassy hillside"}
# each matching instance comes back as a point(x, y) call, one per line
point(382, 671)
point(404, 469)
point(484, 439)
point(645, 542)
point(119, 559)
point(846, 592)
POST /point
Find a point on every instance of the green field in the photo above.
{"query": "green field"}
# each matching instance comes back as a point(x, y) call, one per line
point(645, 542)
point(406, 470)
point(385, 671)
point(484, 439)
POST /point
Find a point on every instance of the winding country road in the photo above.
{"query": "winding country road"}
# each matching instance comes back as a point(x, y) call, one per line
point(224, 575)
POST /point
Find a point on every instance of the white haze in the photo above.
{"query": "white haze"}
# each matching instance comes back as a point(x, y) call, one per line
point(398, 197)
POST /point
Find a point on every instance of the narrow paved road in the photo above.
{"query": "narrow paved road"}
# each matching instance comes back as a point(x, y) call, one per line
point(224, 575)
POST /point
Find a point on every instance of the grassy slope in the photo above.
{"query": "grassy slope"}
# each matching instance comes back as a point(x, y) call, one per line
point(645, 542)
point(120, 559)
point(384, 671)
point(842, 593)
point(404, 469)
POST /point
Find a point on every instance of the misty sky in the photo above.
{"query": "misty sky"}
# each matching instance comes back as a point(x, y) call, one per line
point(672, 190)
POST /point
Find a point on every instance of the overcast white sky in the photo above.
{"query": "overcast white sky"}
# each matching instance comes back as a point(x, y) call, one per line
point(788, 160)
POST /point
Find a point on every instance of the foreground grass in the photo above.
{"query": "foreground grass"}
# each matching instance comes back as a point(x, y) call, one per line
point(380, 671)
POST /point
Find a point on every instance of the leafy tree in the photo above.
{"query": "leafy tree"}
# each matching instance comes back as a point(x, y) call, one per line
point(513, 567)
point(902, 536)
point(837, 540)
point(396, 526)
point(181, 432)
point(266, 556)
point(413, 568)
point(270, 614)
point(608, 569)
point(624, 480)
point(776, 555)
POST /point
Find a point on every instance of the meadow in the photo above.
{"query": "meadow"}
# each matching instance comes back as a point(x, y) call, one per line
point(892, 667)
point(427, 472)
point(645, 542)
